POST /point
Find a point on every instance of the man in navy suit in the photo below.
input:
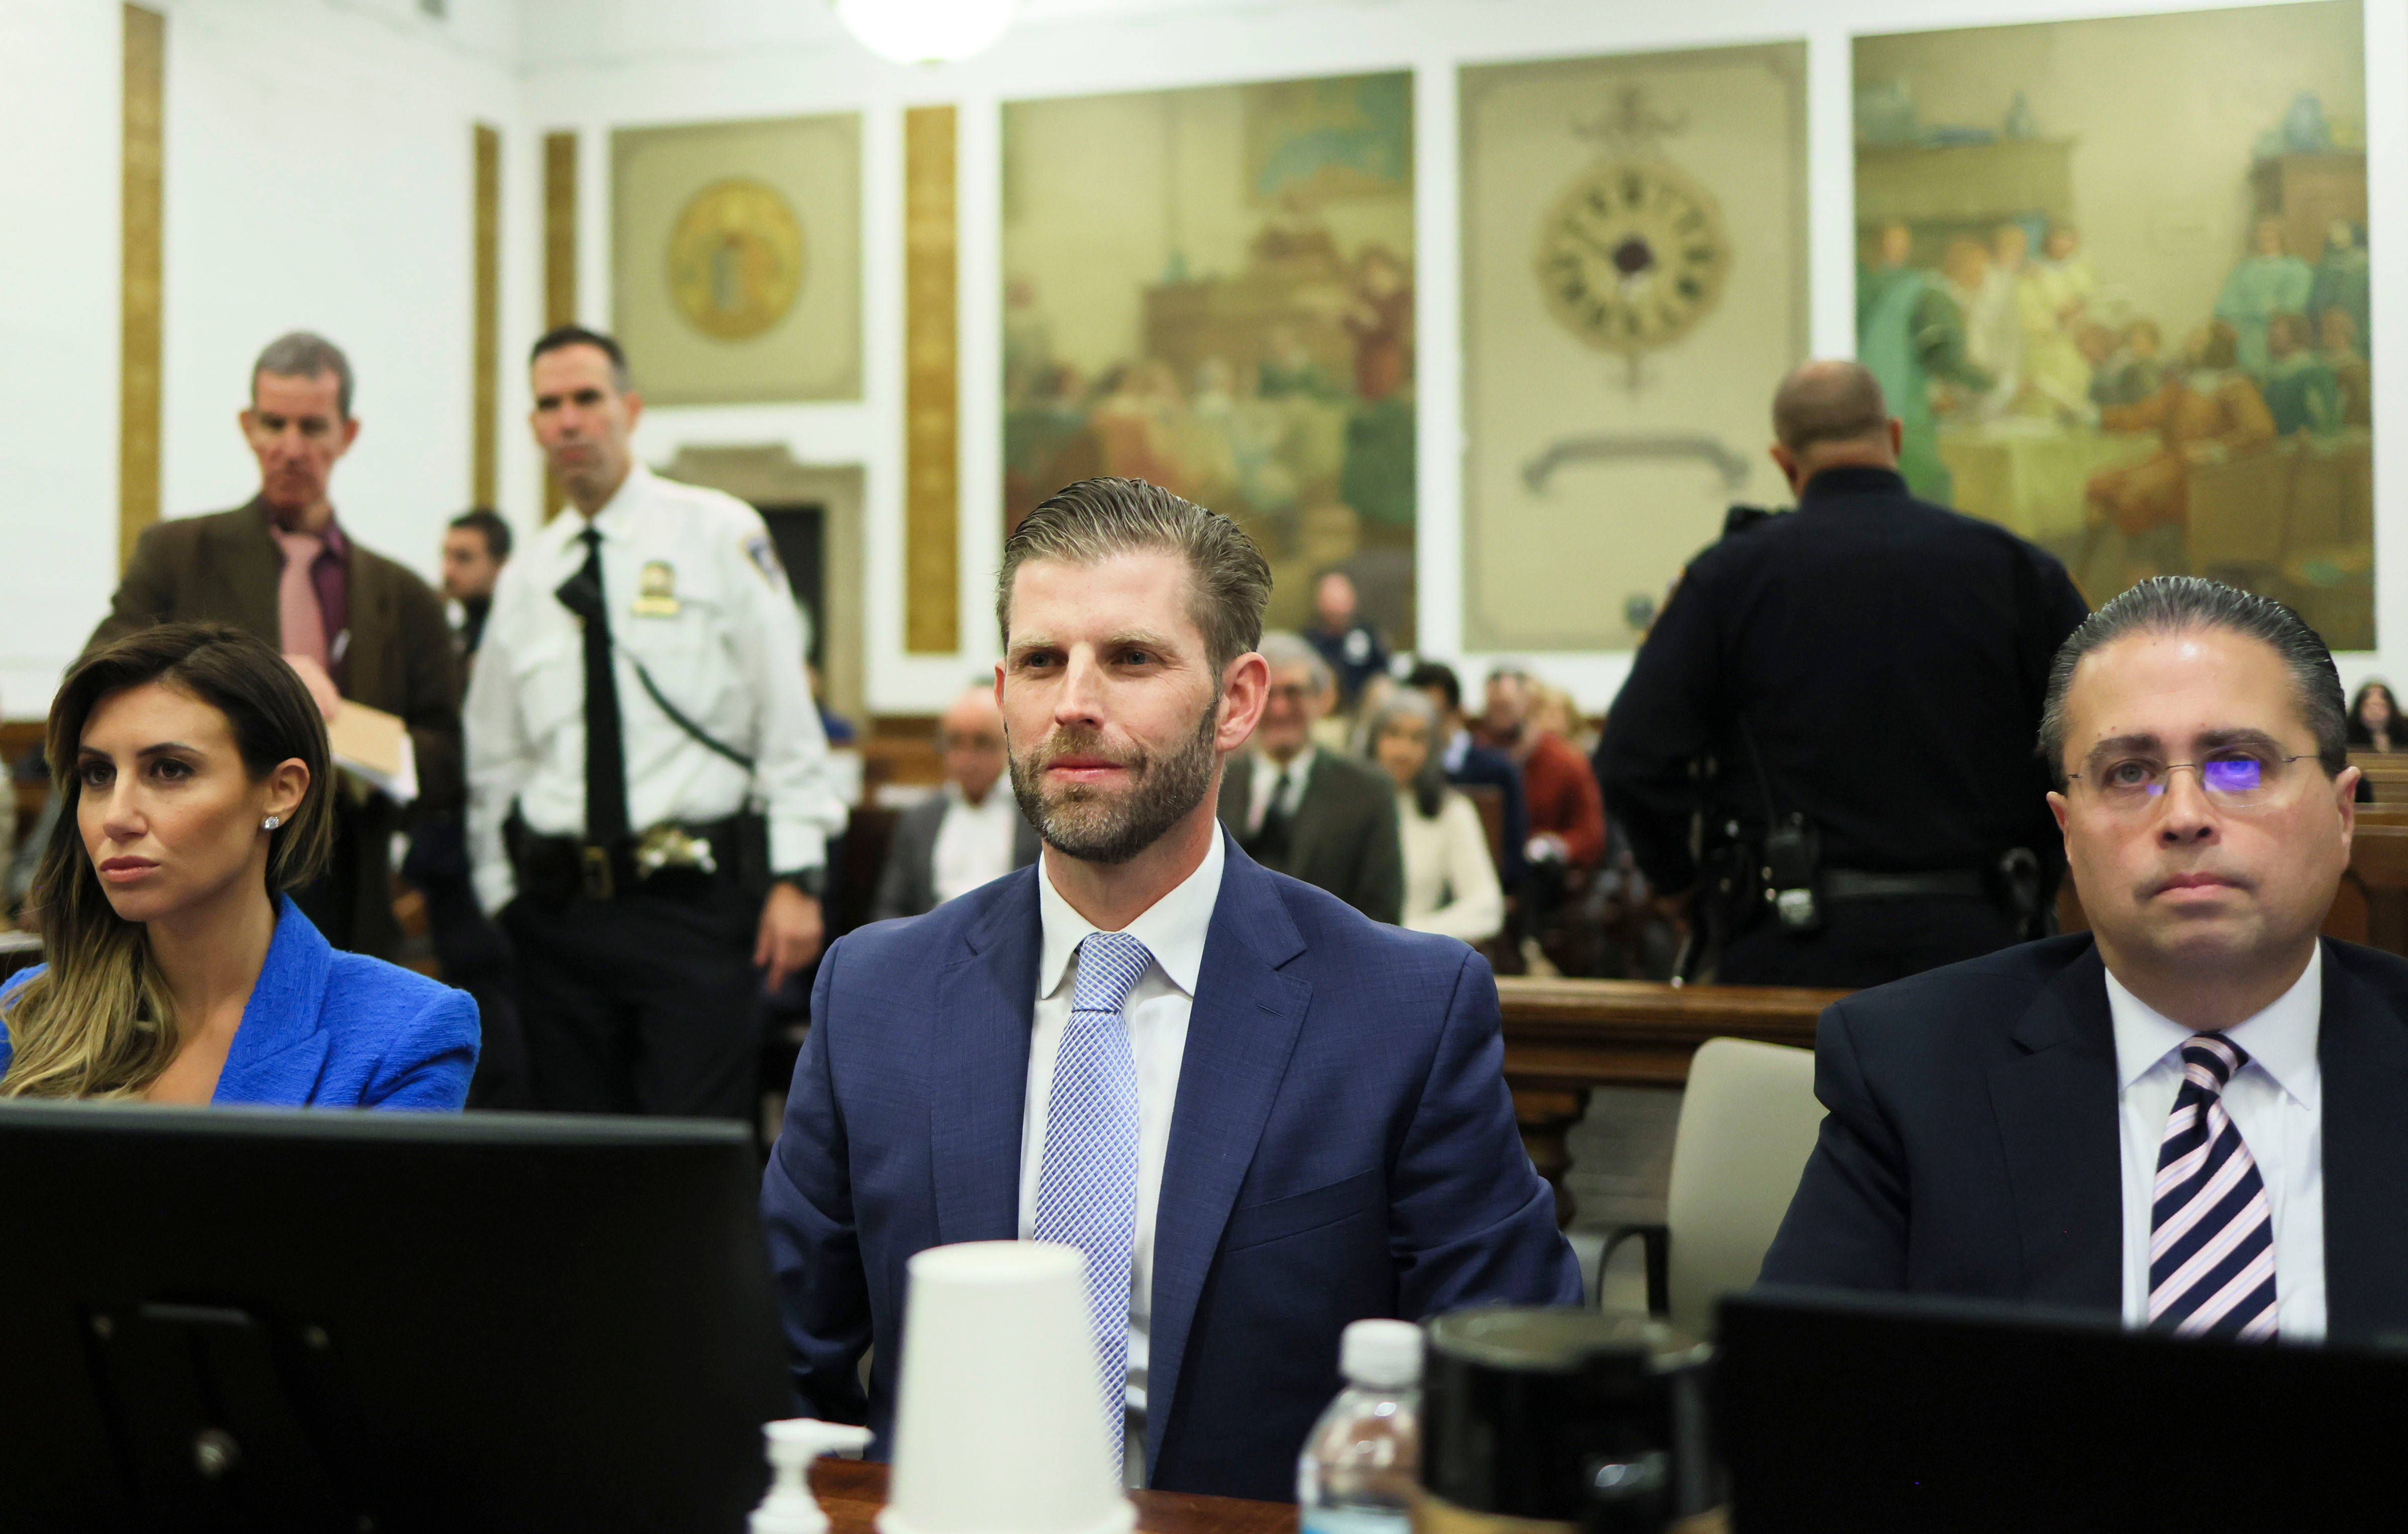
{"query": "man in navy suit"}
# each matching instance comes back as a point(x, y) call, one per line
point(1259, 1113)
point(2194, 1116)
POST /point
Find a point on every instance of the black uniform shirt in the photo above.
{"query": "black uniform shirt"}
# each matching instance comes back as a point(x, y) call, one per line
point(1889, 656)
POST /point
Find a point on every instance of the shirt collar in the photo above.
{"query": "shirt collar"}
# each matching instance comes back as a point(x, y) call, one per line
point(615, 513)
point(2281, 1040)
point(1459, 747)
point(335, 545)
point(1172, 928)
point(1299, 766)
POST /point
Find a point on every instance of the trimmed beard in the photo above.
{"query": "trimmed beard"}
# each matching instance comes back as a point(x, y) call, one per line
point(1093, 828)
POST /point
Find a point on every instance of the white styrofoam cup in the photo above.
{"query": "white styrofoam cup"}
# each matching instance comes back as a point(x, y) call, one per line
point(998, 1421)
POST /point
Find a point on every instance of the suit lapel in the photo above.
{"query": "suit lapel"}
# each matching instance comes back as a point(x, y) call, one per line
point(278, 1049)
point(1241, 1032)
point(244, 559)
point(2362, 1055)
point(986, 1004)
point(2057, 1115)
point(369, 623)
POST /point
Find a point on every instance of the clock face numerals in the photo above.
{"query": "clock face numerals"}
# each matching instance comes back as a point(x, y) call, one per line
point(1633, 255)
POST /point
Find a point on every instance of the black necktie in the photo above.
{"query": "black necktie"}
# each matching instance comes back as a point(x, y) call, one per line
point(605, 752)
point(1270, 843)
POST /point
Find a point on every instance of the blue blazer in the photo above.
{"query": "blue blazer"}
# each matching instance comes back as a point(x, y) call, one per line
point(330, 1029)
point(1342, 1146)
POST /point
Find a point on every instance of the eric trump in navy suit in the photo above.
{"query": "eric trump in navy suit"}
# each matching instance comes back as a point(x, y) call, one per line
point(1260, 1114)
point(2194, 1116)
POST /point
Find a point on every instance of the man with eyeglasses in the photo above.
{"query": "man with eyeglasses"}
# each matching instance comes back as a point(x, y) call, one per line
point(2196, 1114)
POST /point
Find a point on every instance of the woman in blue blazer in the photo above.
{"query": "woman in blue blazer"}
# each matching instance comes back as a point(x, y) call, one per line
point(194, 770)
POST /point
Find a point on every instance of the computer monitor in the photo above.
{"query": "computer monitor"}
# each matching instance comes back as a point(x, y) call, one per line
point(227, 1319)
point(1852, 1413)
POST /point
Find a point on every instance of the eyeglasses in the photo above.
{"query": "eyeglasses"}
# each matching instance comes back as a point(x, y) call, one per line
point(2232, 780)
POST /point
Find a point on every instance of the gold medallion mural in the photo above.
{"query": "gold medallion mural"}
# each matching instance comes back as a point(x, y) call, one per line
point(736, 259)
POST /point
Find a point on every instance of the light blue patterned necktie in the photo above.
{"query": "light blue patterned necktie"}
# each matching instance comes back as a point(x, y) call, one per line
point(1086, 1188)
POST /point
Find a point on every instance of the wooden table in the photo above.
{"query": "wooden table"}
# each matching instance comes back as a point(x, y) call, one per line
point(1565, 1038)
point(852, 1490)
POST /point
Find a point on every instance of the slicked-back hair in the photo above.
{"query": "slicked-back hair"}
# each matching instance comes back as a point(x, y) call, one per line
point(305, 354)
point(2182, 604)
point(560, 337)
point(1229, 583)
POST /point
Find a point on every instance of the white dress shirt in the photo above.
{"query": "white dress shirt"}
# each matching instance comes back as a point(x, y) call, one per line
point(2277, 1103)
point(1157, 1012)
point(697, 593)
point(1266, 783)
point(1451, 885)
point(973, 840)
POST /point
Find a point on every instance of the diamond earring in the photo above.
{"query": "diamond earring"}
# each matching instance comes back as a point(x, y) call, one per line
point(270, 824)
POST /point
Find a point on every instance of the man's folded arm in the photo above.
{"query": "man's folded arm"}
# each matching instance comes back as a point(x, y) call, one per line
point(807, 1218)
point(1470, 1219)
point(1847, 1227)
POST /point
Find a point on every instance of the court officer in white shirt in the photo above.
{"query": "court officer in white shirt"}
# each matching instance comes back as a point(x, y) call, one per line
point(648, 804)
point(2194, 1115)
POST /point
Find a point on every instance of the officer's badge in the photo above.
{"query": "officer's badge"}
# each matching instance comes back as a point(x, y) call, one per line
point(656, 590)
point(765, 555)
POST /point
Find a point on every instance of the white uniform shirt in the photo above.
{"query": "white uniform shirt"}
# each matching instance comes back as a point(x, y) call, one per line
point(1156, 1011)
point(697, 593)
point(973, 840)
point(1266, 782)
point(2277, 1103)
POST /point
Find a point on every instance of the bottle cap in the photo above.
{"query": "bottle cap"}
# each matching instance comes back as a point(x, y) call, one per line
point(1383, 1355)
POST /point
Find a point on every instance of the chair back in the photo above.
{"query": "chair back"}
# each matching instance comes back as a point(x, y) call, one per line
point(1748, 1122)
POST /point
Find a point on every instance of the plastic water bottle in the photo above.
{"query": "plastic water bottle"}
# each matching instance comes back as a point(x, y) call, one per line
point(1361, 1465)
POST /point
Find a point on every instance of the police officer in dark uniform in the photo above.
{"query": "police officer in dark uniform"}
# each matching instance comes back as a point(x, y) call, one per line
point(1850, 696)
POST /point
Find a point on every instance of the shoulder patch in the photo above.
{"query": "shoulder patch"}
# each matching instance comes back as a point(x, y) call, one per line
point(764, 556)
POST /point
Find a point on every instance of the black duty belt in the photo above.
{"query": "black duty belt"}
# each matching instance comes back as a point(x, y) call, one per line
point(556, 869)
point(1864, 884)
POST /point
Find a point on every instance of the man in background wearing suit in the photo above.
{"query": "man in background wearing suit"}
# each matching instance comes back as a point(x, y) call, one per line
point(355, 625)
point(2191, 1116)
point(970, 834)
point(1258, 1114)
point(1328, 820)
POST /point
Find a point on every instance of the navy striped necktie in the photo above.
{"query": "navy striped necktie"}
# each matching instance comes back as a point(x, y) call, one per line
point(2212, 1234)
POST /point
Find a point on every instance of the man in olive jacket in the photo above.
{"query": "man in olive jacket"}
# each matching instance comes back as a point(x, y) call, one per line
point(361, 625)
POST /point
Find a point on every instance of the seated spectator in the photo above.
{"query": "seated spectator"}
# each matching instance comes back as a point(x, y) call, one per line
point(2374, 719)
point(1468, 762)
point(1567, 812)
point(1350, 646)
point(192, 767)
point(1317, 815)
point(970, 832)
point(1451, 885)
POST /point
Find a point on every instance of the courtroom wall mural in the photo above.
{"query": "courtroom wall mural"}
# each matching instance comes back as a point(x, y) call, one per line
point(1212, 289)
point(1634, 285)
point(736, 259)
point(2113, 276)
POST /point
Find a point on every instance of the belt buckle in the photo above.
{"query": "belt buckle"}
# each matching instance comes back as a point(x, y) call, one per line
point(594, 872)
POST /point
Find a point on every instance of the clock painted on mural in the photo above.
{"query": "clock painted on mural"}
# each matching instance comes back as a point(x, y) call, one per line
point(1633, 255)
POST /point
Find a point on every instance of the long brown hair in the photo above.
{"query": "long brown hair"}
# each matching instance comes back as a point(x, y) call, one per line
point(99, 1023)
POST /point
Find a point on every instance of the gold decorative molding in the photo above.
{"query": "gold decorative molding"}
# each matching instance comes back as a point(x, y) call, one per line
point(142, 176)
point(559, 260)
point(931, 394)
point(485, 346)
